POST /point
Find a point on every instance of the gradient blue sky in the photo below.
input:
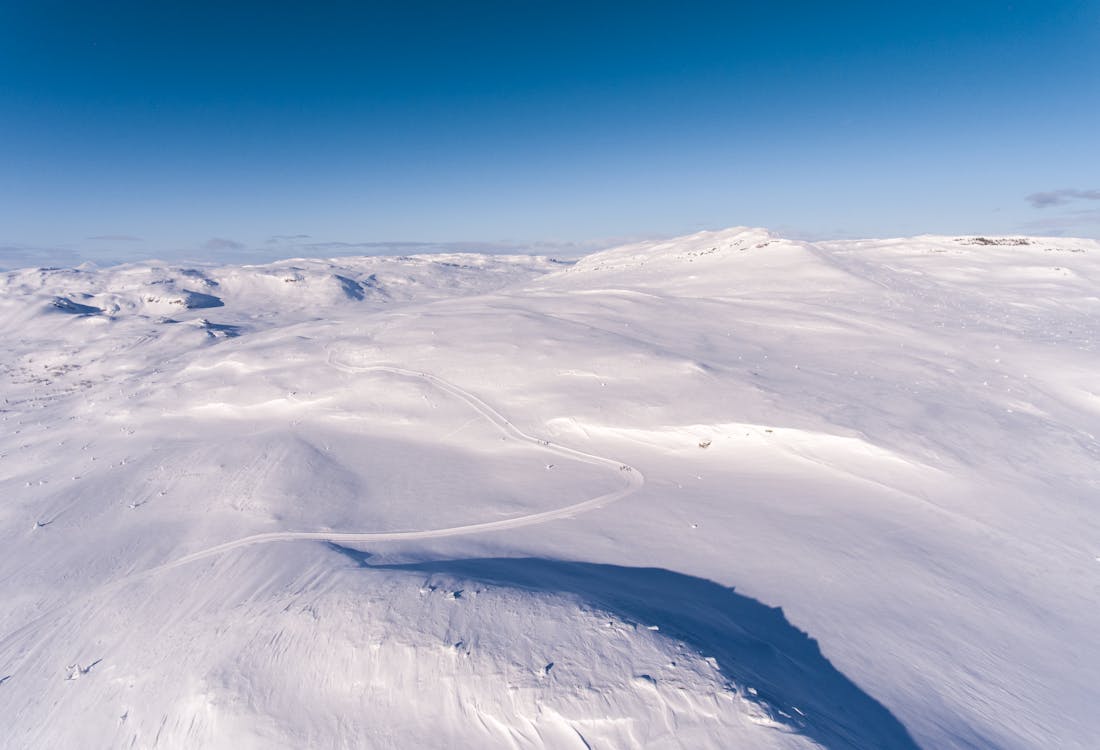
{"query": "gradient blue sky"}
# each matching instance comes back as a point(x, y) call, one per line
point(255, 130)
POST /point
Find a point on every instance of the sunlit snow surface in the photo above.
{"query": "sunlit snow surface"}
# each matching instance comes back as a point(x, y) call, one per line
point(728, 490)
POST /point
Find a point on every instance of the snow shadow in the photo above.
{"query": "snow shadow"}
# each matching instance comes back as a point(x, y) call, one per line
point(754, 644)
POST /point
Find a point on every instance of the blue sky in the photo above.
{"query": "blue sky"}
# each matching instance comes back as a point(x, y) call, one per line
point(243, 130)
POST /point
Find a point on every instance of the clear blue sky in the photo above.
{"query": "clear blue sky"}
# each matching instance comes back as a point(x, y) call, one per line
point(241, 129)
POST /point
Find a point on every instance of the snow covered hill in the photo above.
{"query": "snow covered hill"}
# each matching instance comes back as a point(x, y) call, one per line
point(727, 490)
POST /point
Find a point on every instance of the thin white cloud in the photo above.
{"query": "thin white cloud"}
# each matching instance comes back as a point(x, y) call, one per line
point(27, 256)
point(1070, 223)
point(115, 238)
point(563, 248)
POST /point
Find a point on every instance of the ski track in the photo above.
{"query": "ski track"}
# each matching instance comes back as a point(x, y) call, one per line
point(634, 481)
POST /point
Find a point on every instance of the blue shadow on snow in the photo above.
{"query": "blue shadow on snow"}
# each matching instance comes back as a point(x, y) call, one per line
point(754, 644)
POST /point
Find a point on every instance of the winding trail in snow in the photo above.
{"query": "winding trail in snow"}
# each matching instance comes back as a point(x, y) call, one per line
point(633, 480)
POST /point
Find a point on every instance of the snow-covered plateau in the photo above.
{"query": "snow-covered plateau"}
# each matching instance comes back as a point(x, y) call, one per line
point(723, 491)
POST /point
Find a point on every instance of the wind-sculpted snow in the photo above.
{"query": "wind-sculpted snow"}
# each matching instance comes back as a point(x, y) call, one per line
point(768, 662)
point(382, 658)
point(399, 502)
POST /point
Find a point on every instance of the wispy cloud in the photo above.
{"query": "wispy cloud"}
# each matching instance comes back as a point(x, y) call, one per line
point(280, 238)
point(275, 247)
point(26, 256)
point(221, 243)
point(406, 247)
point(488, 247)
point(1062, 197)
point(115, 238)
point(1076, 223)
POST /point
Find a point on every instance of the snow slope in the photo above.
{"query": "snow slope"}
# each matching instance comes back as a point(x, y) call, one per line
point(727, 490)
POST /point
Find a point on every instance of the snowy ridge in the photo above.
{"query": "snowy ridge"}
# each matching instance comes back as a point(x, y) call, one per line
point(396, 502)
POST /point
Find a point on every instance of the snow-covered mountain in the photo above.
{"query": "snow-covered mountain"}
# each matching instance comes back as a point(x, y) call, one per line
point(727, 490)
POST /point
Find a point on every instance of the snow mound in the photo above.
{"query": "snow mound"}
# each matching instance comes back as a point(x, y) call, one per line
point(704, 247)
point(740, 260)
point(530, 653)
point(66, 305)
